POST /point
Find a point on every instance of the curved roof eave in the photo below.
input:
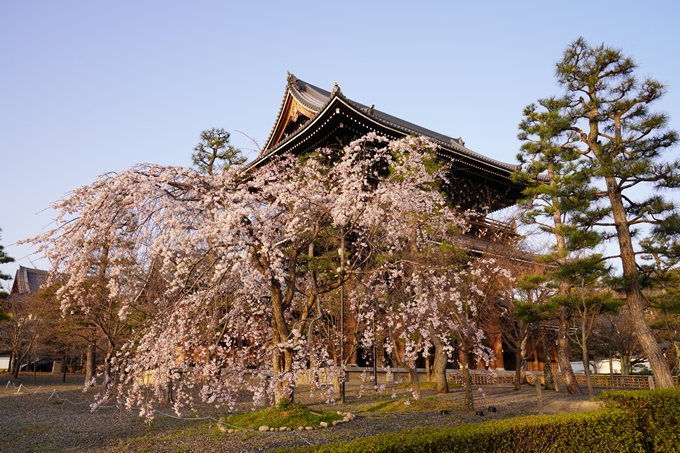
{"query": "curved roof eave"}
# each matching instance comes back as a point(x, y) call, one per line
point(319, 100)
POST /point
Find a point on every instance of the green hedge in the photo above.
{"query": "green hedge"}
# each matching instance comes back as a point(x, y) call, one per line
point(611, 430)
point(657, 413)
point(630, 421)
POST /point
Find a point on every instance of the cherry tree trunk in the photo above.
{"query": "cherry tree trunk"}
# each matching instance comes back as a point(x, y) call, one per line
point(91, 362)
point(16, 364)
point(169, 398)
point(279, 395)
point(107, 363)
point(440, 361)
point(336, 384)
point(415, 381)
point(428, 369)
point(282, 362)
point(288, 364)
point(468, 405)
point(64, 366)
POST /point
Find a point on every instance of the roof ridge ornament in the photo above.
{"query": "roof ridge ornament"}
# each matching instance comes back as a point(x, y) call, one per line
point(336, 89)
point(292, 80)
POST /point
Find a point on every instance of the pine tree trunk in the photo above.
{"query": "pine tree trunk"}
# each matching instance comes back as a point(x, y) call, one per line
point(634, 301)
point(518, 369)
point(626, 364)
point(523, 361)
point(563, 353)
point(539, 394)
point(549, 378)
point(563, 323)
point(586, 369)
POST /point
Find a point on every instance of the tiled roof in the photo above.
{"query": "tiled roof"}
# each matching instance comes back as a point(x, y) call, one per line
point(28, 280)
point(316, 99)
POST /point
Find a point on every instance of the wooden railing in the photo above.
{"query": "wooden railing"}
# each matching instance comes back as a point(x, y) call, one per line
point(479, 378)
point(598, 380)
point(486, 378)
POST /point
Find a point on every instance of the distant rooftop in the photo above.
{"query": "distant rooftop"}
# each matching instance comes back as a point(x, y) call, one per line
point(28, 280)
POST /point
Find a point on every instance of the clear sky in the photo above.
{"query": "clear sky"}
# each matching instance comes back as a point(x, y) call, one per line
point(91, 87)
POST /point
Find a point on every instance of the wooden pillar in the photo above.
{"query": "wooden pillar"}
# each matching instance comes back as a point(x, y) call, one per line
point(496, 344)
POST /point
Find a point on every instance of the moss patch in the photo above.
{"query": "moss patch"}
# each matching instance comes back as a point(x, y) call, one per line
point(291, 415)
point(428, 404)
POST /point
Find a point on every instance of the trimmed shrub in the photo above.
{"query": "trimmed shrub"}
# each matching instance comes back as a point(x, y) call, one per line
point(611, 430)
point(657, 413)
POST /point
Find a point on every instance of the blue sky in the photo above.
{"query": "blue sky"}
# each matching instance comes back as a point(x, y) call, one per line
point(92, 87)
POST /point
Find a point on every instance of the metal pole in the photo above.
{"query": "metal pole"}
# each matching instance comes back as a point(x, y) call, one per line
point(342, 342)
point(342, 321)
point(35, 357)
point(375, 356)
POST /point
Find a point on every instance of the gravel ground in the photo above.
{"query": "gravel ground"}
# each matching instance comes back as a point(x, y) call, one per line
point(54, 416)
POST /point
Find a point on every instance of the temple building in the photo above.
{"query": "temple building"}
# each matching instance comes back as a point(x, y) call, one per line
point(27, 281)
point(311, 118)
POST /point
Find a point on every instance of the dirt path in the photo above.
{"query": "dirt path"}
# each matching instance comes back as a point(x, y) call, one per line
point(53, 416)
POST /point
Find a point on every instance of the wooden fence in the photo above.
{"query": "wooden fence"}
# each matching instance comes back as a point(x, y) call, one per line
point(479, 377)
point(598, 380)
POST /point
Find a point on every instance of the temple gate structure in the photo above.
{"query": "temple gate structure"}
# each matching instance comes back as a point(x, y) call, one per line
point(311, 118)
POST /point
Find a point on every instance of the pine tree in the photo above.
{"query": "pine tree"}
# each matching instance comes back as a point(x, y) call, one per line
point(4, 259)
point(620, 144)
point(589, 297)
point(214, 153)
point(554, 189)
point(661, 284)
